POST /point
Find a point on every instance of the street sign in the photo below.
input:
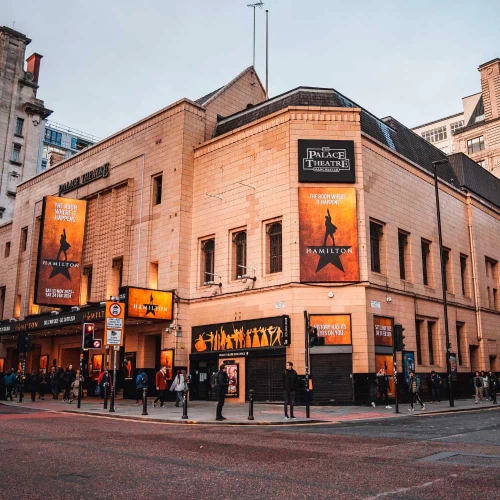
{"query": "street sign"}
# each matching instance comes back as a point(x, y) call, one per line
point(97, 344)
point(115, 323)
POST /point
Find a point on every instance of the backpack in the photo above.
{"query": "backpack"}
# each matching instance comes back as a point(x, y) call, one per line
point(214, 381)
point(144, 379)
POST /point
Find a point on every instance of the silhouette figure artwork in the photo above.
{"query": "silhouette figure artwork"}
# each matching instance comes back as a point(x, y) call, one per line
point(330, 228)
point(64, 246)
point(62, 266)
point(151, 307)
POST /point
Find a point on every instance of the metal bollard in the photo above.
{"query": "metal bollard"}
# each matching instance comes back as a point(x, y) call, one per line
point(184, 406)
point(250, 408)
point(105, 388)
point(145, 401)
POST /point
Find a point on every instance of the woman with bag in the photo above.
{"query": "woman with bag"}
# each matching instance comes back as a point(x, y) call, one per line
point(178, 385)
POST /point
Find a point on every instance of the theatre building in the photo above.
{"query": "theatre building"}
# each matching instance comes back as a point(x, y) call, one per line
point(220, 222)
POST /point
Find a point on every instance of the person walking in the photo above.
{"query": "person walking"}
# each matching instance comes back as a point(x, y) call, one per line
point(33, 382)
point(486, 388)
point(104, 382)
point(383, 386)
point(493, 383)
point(372, 388)
point(478, 387)
point(221, 391)
point(141, 384)
point(75, 387)
point(414, 390)
point(178, 386)
point(10, 380)
point(42, 386)
point(435, 387)
point(289, 386)
point(161, 385)
point(68, 377)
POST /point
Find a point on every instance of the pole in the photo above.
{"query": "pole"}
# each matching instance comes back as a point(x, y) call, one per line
point(443, 282)
point(306, 330)
point(395, 371)
point(145, 401)
point(250, 408)
point(267, 54)
point(113, 387)
point(23, 378)
point(105, 389)
point(79, 401)
point(184, 406)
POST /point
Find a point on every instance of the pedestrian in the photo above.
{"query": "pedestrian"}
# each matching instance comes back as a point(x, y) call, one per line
point(58, 381)
point(486, 388)
point(478, 387)
point(414, 390)
point(372, 388)
point(493, 383)
point(33, 383)
point(2, 386)
point(221, 391)
point(141, 385)
point(289, 386)
point(19, 383)
point(161, 385)
point(178, 386)
point(383, 386)
point(42, 386)
point(104, 382)
point(436, 387)
point(67, 379)
point(10, 380)
point(75, 387)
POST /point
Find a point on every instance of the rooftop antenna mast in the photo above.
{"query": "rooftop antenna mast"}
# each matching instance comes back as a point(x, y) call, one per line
point(254, 5)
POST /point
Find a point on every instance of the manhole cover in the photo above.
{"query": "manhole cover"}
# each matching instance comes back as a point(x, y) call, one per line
point(467, 459)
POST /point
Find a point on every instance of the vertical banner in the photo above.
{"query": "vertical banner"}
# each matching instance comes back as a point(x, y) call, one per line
point(115, 322)
point(383, 331)
point(328, 229)
point(60, 251)
point(408, 364)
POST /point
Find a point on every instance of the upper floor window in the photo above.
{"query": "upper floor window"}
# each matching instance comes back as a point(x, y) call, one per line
point(475, 145)
point(208, 263)
point(16, 152)
point(403, 254)
point(19, 126)
point(456, 125)
point(240, 254)
point(24, 239)
point(448, 285)
point(435, 135)
point(463, 275)
point(157, 189)
point(275, 245)
point(7, 249)
point(376, 232)
point(426, 253)
point(53, 136)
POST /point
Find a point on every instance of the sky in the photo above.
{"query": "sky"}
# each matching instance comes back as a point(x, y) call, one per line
point(109, 63)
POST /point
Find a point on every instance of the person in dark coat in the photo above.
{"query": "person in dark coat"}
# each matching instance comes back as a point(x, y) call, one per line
point(383, 386)
point(68, 377)
point(493, 383)
point(33, 382)
point(435, 387)
point(10, 380)
point(43, 386)
point(289, 386)
point(221, 389)
point(141, 384)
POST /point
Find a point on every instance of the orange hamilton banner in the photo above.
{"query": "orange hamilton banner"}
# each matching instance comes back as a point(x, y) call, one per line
point(151, 304)
point(60, 252)
point(328, 229)
point(335, 328)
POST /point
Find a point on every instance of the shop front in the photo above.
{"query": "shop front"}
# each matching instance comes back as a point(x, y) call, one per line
point(254, 352)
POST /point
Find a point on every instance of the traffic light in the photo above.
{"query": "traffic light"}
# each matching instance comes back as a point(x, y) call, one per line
point(24, 342)
point(399, 344)
point(314, 340)
point(88, 335)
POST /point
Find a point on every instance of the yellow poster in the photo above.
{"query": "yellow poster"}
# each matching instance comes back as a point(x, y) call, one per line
point(334, 328)
point(383, 331)
point(151, 304)
point(328, 229)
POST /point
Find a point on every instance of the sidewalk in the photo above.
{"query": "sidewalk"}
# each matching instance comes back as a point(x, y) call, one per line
point(203, 412)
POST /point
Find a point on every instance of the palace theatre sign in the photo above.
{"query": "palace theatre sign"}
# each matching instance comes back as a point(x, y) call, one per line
point(86, 178)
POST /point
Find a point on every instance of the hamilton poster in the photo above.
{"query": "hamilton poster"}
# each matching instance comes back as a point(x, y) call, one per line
point(328, 234)
point(60, 252)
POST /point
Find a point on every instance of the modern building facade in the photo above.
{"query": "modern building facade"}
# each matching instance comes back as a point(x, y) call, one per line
point(21, 116)
point(475, 130)
point(253, 212)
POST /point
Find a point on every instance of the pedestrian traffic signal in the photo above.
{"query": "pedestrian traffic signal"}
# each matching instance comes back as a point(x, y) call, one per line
point(24, 342)
point(399, 344)
point(88, 335)
point(314, 340)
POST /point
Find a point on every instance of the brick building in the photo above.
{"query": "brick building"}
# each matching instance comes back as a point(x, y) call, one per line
point(254, 211)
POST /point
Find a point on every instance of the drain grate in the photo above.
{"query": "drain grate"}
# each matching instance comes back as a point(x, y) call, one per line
point(467, 459)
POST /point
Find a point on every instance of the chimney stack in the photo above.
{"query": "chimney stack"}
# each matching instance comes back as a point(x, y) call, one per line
point(34, 65)
point(490, 85)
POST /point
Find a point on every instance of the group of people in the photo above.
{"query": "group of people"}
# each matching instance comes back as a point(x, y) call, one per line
point(485, 386)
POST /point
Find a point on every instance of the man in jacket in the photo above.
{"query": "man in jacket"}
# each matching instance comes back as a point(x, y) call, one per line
point(414, 390)
point(10, 379)
point(383, 386)
point(493, 383)
point(141, 385)
point(161, 385)
point(289, 385)
point(478, 387)
point(221, 390)
point(435, 387)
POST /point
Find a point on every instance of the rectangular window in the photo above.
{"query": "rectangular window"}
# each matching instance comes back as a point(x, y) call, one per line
point(24, 239)
point(456, 125)
point(460, 335)
point(19, 126)
point(488, 291)
point(463, 275)
point(117, 273)
point(275, 246)
point(418, 330)
point(16, 153)
point(495, 299)
point(240, 254)
point(475, 145)
point(435, 135)
point(2, 301)
point(208, 261)
point(426, 252)
point(153, 275)
point(448, 285)
point(7, 249)
point(403, 257)
point(430, 340)
point(376, 232)
point(157, 189)
point(87, 273)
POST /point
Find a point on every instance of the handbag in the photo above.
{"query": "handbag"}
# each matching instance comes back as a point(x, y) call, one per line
point(186, 387)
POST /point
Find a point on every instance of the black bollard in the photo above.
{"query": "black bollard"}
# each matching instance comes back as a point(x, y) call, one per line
point(145, 401)
point(185, 406)
point(250, 408)
point(105, 389)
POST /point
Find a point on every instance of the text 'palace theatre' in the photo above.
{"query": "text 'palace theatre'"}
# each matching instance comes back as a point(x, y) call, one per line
point(221, 224)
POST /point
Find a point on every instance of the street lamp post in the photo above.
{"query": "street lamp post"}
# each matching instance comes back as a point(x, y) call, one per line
point(443, 282)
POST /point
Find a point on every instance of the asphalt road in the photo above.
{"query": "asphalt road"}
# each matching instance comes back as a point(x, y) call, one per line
point(56, 455)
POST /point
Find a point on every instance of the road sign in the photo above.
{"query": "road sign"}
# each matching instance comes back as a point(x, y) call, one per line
point(115, 323)
point(97, 344)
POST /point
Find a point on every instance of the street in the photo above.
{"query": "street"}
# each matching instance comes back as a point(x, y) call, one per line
point(49, 454)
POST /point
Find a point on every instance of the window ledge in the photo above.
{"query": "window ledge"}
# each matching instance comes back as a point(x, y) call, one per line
point(430, 288)
point(18, 163)
point(19, 135)
point(11, 193)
